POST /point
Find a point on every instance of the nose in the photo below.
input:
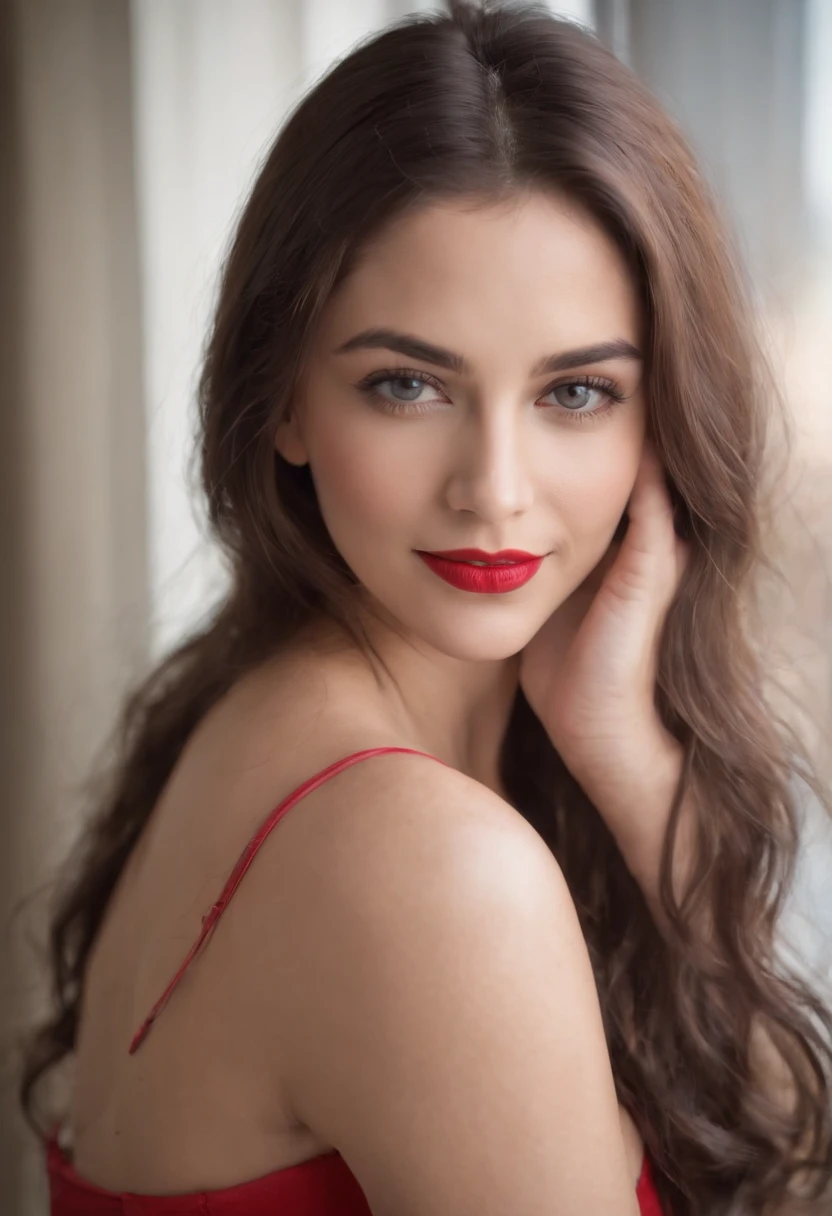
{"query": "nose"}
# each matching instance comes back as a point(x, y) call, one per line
point(491, 472)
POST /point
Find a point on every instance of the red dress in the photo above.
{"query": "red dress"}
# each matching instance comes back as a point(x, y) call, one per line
point(321, 1186)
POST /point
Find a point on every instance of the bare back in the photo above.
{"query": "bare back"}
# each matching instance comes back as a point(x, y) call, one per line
point(212, 1099)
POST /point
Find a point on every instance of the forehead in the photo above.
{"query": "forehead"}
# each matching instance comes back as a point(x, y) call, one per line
point(535, 270)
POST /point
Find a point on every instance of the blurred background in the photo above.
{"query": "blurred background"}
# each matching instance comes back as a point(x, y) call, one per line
point(129, 136)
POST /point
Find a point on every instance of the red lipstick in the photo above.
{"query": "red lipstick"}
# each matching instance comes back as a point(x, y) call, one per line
point(498, 573)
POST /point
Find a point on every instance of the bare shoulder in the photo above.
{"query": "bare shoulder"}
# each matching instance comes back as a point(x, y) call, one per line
point(391, 800)
point(397, 827)
point(439, 1011)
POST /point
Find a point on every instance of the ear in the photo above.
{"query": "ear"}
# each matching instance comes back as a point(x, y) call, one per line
point(288, 440)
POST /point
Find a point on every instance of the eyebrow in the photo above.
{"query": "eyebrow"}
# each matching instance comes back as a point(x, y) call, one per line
point(427, 352)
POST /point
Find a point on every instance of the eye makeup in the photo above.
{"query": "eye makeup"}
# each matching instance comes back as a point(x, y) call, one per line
point(607, 390)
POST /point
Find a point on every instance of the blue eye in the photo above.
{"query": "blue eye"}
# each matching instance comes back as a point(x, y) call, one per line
point(585, 398)
point(408, 401)
point(573, 396)
point(580, 399)
point(413, 386)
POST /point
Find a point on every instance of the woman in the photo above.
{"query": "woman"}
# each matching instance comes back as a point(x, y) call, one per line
point(482, 441)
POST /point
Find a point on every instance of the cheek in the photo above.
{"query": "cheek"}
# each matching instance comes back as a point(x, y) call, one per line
point(361, 482)
point(593, 491)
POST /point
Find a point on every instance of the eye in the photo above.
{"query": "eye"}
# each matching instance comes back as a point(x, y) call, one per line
point(586, 397)
point(405, 389)
point(574, 396)
point(402, 391)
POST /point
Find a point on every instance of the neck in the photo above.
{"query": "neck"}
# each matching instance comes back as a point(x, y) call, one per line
point(455, 709)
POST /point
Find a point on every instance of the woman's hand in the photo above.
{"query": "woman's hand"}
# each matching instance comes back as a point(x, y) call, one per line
point(589, 674)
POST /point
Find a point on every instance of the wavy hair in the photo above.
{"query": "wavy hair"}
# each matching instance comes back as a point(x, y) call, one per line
point(480, 103)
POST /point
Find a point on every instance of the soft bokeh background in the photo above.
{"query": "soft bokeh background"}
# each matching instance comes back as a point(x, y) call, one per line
point(130, 133)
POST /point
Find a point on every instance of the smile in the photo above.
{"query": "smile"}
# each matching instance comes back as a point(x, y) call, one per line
point(483, 577)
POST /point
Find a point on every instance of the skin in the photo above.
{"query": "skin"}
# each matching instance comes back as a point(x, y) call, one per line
point(494, 461)
point(422, 853)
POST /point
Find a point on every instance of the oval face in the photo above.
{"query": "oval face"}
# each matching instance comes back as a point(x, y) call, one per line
point(475, 384)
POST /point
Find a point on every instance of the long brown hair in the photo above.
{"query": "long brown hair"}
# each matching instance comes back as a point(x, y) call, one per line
point(478, 104)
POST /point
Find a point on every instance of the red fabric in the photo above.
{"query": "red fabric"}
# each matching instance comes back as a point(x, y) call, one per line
point(648, 1199)
point(321, 1186)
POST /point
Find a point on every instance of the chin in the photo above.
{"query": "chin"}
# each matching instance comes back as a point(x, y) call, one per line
point(487, 638)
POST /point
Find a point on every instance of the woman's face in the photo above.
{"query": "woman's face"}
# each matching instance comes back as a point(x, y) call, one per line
point(430, 422)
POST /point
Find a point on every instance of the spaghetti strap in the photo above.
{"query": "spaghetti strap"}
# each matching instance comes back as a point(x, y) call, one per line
point(246, 857)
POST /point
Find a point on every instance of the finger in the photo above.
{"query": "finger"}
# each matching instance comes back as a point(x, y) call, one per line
point(650, 559)
point(650, 508)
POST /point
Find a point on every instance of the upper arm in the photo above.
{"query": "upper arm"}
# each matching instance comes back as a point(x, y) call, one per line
point(441, 1015)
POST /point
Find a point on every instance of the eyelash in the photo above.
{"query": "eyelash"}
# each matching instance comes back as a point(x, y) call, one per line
point(370, 383)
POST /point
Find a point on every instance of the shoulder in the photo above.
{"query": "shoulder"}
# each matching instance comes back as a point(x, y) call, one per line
point(438, 1009)
point(284, 731)
point(387, 820)
point(416, 955)
point(421, 853)
point(398, 819)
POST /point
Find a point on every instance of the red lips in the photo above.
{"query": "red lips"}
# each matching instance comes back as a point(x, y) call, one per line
point(453, 566)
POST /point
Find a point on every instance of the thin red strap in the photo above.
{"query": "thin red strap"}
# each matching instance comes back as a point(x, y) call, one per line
point(216, 910)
